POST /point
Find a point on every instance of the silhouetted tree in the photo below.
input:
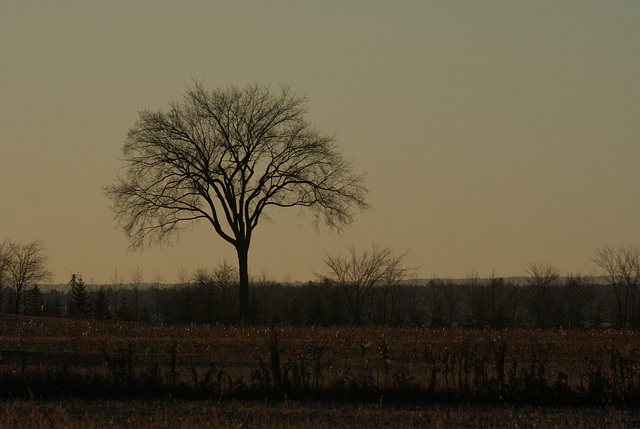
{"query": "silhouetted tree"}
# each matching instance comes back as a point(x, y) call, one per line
point(622, 266)
point(496, 297)
point(226, 156)
point(476, 302)
point(27, 266)
point(434, 304)
point(101, 306)
point(157, 302)
point(576, 292)
point(115, 291)
point(5, 260)
point(356, 274)
point(390, 294)
point(451, 300)
point(35, 302)
point(513, 296)
point(266, 300)
point(225, 282)
point(123, 313)
point(136, 283)
point(79, 305)
point(542, 287)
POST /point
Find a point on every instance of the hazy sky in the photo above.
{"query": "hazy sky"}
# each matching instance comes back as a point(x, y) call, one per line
point(495, 134)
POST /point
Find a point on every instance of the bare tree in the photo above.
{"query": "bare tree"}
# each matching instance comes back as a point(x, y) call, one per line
point(392, 300)
point(184, 277)
point(499, 301)
point(451, 296)
point(116, 288)
point(542, 281)
point(225, 157)
point(356, 274)
point(136, 283)
point(5, 260)
point(576, 291)
point(264, 299)
point(27, 266)
point(156, 282)
point(225, 280)
point(622, 266)
point(215, 288)
point(433, 303)
point(474, 299)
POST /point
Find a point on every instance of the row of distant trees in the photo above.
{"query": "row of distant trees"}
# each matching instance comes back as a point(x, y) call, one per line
point(545, 302)
point(358, 288)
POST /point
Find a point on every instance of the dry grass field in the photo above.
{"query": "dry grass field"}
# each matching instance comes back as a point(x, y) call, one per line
point(72, 373)
point(76, 414)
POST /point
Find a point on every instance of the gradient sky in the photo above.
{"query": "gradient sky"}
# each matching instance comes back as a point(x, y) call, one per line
point(495, 134)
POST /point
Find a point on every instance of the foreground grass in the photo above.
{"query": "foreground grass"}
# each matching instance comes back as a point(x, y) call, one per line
point(206, 414)
point(67, 359)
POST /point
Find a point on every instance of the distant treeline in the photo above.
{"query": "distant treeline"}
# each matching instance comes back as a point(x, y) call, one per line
point(556, 302)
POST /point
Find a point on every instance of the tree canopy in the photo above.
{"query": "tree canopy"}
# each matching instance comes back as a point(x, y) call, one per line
point(226, 156)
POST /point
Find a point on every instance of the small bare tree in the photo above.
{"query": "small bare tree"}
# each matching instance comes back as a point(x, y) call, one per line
point(577, 290)
point(27, 266)
point(216, 286)
point(543, 278)
point(116, 290)
point(5, 260)
point(622, 266)
point(156, 284)
point(136, 284)
point(225, 280)
point(356, 274)
point(226, 157)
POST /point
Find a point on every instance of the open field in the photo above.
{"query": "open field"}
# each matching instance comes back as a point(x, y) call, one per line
point(289, 375)
point(76, 414)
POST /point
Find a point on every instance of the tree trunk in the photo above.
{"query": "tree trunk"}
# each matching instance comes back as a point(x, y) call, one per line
point(243, 268)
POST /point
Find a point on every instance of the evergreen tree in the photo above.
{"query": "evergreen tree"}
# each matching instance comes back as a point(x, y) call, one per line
point(78, 306)
point(35, 302)
point(101, 306)
point(122, 311)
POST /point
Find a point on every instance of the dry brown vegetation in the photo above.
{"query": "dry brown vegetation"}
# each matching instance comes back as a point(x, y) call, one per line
point(284, 415)
point(342, 368)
